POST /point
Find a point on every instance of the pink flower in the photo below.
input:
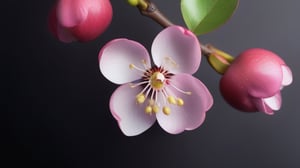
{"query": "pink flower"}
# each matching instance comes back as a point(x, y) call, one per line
point(166, 92)
point(254, 80)
point(80, 20)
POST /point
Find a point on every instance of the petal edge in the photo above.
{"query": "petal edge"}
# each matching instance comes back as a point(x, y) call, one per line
point(117, 55)
point(130, 116)
point(177, 49)
point(192, 114)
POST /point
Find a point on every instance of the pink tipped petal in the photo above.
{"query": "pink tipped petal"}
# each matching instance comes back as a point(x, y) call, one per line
point(273, 102)
point(268, 105)
point(287, 75)
point(192, 114)
point(131, 117)
point(71, 12)
point(177, 49)
point(116, 57)
point(262, 106)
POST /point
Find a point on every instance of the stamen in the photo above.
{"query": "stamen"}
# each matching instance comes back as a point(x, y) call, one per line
point(148, 89)
point(181, 91)
point(148, 110)
point(156, 95)
point(152, 95)
point(141, 83)
point(132, 66)
point(172, 100)
point(140, 98)
point(156, 82)
point(180, 102)
point(155, 108)
point(165, 95)
point(166, 110)
point(138, 84)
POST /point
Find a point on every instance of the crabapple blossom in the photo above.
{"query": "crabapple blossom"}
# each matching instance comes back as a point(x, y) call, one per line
point(79, 20)
point(254, 80)
point(165, 92)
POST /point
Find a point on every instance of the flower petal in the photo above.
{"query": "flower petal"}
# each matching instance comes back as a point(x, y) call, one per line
point(72, 12)
point(131, 117)
point(261, 106)
point(116, 56)
point(273, 102)
point(287, 75)
point(260, 73)
point(177, 49)
point(192, 114)
point(268, 105)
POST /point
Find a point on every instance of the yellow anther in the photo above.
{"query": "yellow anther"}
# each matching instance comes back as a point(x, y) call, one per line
point(140, 98)
point(148, 110)
point(180, 102)
point(166, 110)
point(171, 100)
point(155, 109)
point(131, 66)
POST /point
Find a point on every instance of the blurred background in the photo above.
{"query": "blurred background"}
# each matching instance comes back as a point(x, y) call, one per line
point(55, 100)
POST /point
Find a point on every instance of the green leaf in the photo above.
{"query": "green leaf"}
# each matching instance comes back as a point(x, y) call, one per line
point(203, 16)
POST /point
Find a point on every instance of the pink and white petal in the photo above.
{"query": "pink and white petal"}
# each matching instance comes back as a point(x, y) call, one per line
point(131, 117)
point(273, 102)
point(262, 106)
point(116, 57)
point(72, 12)
point(287, 75)
point(192, 114)
point(177, 49)
point(268, 105)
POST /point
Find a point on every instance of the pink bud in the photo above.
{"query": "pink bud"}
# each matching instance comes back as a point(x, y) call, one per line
point(254, 80)
point(80, 20)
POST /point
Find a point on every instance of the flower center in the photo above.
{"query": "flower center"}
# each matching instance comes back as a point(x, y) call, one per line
point(157, 80)
point(157, 93)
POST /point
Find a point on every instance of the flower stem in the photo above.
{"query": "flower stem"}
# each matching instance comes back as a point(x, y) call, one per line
point(153, 12)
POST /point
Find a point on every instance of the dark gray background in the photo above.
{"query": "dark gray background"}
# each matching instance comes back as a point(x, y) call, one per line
point(55, 100)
